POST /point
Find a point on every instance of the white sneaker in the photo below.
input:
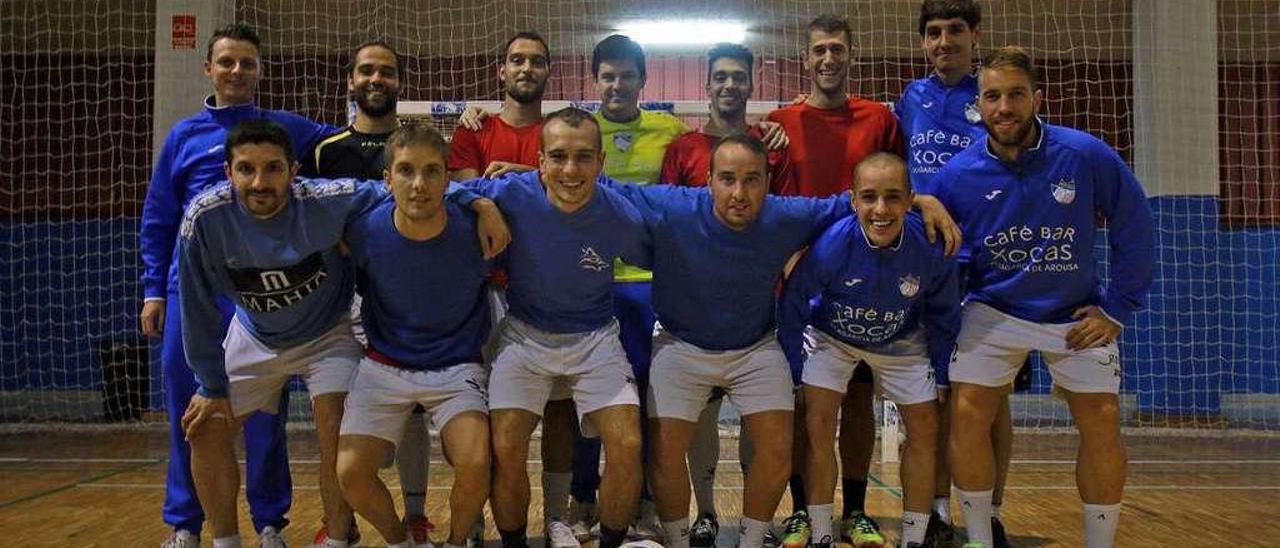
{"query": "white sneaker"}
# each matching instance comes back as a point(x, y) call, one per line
point(182, 538)
point(270, 537)
point(560, 535)
point(582, 517)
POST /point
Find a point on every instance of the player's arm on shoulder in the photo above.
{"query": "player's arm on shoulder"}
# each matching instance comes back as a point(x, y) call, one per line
point(501, 169)
point(473, 117)
point(773, 135)
point(938, 221)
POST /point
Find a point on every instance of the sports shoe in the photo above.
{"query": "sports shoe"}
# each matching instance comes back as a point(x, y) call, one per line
point(420, 528)
point(998, 537)
point(182, 538)
point(796, 530)
point(322, 536)
point(862, 532)
point(270, 537)
point(646, 526)
point(704, 531)
point(770, 539)
point(560, 535)
point(939, 534)
point(582, 517)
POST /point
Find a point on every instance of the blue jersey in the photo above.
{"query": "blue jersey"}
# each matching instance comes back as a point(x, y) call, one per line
point(424, 301)
point(939, 122)
point(560, 265)
point(899, 300)
point(714, 286)
point(190, 161)
point(1029, 227)
point(285, 273)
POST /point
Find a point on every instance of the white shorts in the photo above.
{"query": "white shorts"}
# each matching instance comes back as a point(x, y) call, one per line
point(683, 376)
point(903, 380)
point(993, 345)
point(530, 362)
point(257, 373)
point(383, 396)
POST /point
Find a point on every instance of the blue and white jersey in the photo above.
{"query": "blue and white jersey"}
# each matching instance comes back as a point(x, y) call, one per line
point(560, 265)
point(899, 300)
point(190, 161)
point(286, 275)
point(713, 286)
point(1029, 227)
point(939, 122)
point(424, 302)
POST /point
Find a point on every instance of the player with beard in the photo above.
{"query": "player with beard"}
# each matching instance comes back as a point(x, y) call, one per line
point(1029, 198)
point(491, 146)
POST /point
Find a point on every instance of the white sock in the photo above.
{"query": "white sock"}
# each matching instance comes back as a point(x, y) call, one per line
point(995, 510)
point(942, 507)
point(335, 543)
point(1100, 522)
point(751, 533)
point(677, 533)
point(820, 521)
point(555, 495)
point(976, 506)
point(914, 525)
point(227, 542)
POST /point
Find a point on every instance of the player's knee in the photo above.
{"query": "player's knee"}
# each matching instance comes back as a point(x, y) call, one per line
point(820, 426)
point(509, 449)
point(472, 464)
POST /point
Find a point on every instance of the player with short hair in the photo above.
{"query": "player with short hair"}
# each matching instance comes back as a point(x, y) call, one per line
point(492, 146)
point(426, 324)
point(940, 117)
point(718, 253)
point(191, 160)
point(887, 297)
point(560, 330)
point(1029, 197)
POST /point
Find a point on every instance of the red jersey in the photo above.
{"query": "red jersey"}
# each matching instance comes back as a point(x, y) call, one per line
point(688, 161)
point(497, 141)
point(826, 144)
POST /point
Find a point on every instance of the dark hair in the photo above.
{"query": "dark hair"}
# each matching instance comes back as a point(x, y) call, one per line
point(573, 117)
point(413, 132)
point(969, 10)
point(350, 68)
point(756, 146)
point(617, 47)
point(731, 51)
point(526, 35)
point(256, 131)
point(1012, 57)
point(881, 158)
point(238, 31)
point(830, 24)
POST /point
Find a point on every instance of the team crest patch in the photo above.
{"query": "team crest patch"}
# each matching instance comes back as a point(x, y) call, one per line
point(1064, 191)
point(622, 141)
point(971, 113)
point(909, 285)
point(592, 261)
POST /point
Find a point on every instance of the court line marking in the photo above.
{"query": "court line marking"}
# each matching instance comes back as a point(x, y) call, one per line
point(71, 485)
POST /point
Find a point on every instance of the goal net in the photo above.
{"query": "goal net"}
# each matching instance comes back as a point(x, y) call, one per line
point(76, 144)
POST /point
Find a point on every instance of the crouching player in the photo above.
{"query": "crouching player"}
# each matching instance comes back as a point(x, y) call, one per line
point(422, 274)
point(886, 296)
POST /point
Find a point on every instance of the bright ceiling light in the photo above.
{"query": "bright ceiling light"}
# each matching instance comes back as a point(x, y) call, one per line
point(697, 31)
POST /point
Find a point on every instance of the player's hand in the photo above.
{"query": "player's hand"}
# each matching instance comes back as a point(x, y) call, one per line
point(775, 138)
point(1092, 329)
point(472, 117)
point(497, 169)
point(152, 317)
point(494, 234)
point(801, 98)
point(937, 220)
point(201, 410)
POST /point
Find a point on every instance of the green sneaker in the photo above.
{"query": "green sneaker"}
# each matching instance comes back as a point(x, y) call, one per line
point(862, 532)
point(796, 530)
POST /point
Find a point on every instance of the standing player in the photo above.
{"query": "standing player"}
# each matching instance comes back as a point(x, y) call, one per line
point(373, 82)
point(560, 328)
point(939, 115)
point(886, 297)
point(1028, 198)
point(830, 133)
point(191, 160)
point(426, 324)
point(507, 142)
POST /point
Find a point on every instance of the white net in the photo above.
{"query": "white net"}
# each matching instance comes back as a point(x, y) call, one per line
point(76, 145)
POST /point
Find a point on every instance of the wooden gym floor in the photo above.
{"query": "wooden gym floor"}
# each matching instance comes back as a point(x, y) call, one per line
point(105, 487)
